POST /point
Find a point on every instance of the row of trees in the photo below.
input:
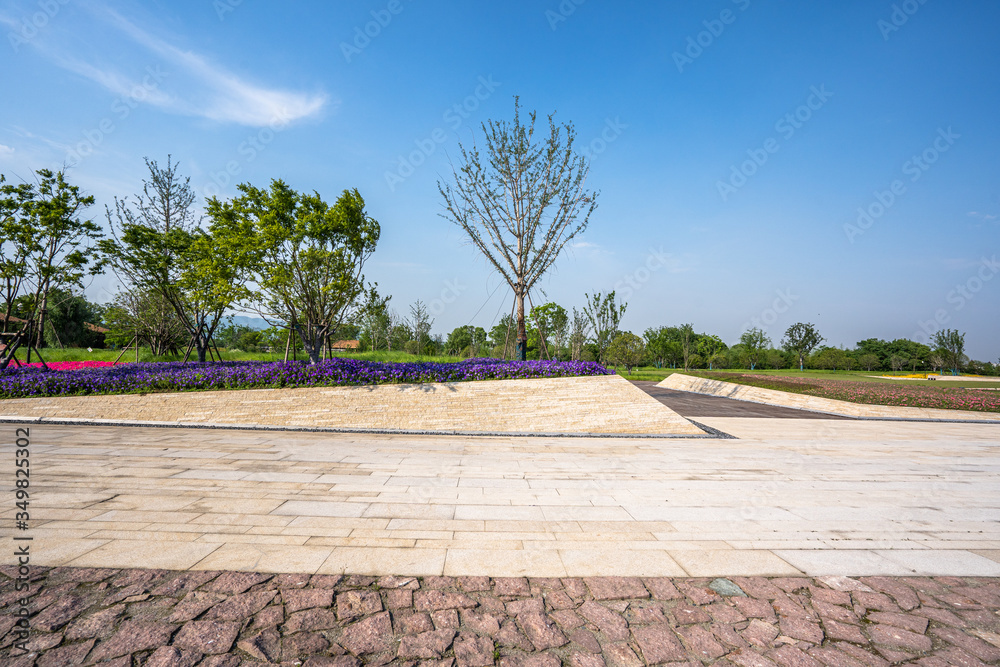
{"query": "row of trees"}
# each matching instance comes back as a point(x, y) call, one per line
point(288, 256)
point(681, 347)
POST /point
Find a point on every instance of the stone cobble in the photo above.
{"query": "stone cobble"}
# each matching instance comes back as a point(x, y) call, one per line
point(158, 618)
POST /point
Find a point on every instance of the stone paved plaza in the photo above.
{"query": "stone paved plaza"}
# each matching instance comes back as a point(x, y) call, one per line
point(801, 541)
point(156, 618)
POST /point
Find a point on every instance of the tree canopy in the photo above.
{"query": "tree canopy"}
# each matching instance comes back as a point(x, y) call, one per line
point(304, 257)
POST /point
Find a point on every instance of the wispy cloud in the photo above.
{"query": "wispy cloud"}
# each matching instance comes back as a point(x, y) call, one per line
point(5, 150)
point(196, 86)
point(981, 216)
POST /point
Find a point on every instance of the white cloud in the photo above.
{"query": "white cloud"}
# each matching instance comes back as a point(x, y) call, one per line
point(209, 90)
point(983, 216)
point(5, 150)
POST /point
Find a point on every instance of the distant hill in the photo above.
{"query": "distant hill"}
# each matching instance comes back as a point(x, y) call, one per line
point(252, 322)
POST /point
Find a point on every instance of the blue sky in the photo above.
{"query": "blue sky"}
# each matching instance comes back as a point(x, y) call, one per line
point(758, 163)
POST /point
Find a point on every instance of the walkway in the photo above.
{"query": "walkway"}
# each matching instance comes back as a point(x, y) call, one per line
point(790, 496)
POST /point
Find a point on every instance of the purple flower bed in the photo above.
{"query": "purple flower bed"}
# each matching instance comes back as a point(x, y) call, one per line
point(127, 378)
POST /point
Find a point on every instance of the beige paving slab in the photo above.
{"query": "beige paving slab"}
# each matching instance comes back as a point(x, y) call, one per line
point(320, 508)
point(844, 562)
point(55, 551)
point(734, 562)
point(157, 554)
point(959, 563)
point(257, 557)
point(505, 563)
point(384, 561)
point(992, 554)
point(600, 404)
point(597, 562)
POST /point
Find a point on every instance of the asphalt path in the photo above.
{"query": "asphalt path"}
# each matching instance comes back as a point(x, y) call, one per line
point(688, 404)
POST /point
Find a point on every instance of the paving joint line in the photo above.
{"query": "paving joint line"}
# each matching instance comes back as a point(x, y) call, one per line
point(709, 432)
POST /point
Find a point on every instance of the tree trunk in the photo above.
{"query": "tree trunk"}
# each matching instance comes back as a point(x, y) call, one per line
point(39, 339)
point(522, 332)
point(312, 344)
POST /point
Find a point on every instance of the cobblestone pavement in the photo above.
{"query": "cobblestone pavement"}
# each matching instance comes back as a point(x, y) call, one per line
point(156, 618)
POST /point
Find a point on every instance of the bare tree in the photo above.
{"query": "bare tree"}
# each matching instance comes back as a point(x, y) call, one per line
point(578, 334)
point(420, 323)
point(604, 315)
point(523, 204)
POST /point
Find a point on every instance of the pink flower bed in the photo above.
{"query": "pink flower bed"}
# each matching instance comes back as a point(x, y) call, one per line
point(64, 365)
point(873, 393)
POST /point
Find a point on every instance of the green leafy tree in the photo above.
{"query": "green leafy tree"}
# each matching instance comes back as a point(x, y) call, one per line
point(775, 359)
point(877, 347)
point(504, 333)
point(304, 256)
point(17, 239)
point(466, 341)
point(710, 349)
point(550, 321)
point(897, 362)
point(51, 245)
point(657, 340)
point(688, 340)
point(459, 339)
point(916, 353)
point(522, 204)
point(233, 336)
point(375, 320)
point(400, 333)
point(801, 339)
point(754, 342)
point(579, 333)
point(830, 358)
point(718, 360)
point(950, 346)
point(604, 315)
point(73, 320)
point(144, 315)
point(626, 350)
point(868, 361)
